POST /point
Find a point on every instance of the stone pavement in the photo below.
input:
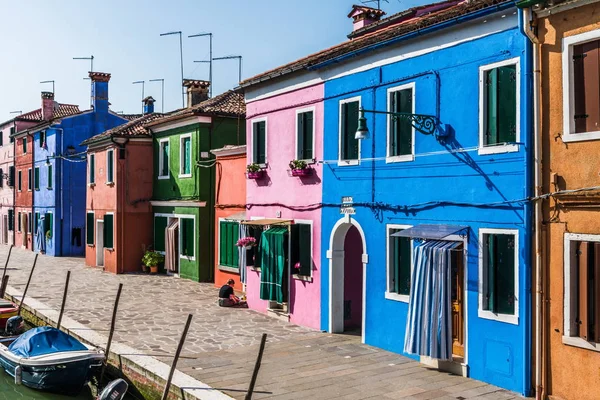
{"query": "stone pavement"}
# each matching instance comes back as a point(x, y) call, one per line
point(222, 344)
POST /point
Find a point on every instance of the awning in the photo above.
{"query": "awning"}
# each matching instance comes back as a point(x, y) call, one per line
point(268, 221)
point(435, 232)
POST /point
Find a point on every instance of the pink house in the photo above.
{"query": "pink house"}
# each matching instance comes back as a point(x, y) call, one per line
point(284, 123)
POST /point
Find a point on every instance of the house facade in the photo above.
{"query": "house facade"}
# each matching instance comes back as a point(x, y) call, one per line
point(184, 177)
point(118, 220)
point(58, 176)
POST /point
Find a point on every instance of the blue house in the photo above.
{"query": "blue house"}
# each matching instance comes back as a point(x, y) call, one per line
point(60, 173)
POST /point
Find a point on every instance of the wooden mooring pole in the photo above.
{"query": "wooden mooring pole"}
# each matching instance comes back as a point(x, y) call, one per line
point(112, 331)
point(263, 341)
point(177, 354)
point(64, 300)
point(27, 286)
point(3, 286)
point(6, 265)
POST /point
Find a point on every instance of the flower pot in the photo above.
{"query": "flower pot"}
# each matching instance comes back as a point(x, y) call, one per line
point(302, 172)
point(248, 247)
point(255, 174)
point(154, 269)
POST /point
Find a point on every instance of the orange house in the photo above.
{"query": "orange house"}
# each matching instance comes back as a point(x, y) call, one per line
point(229, 211)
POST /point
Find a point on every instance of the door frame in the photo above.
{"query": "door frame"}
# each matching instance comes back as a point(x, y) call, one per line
point(99, 242)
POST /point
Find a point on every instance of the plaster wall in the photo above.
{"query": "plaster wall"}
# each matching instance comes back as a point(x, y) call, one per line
point(284, 191)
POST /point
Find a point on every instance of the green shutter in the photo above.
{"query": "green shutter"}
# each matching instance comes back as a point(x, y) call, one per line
point(37, 178)
point(110, 166)
point(401, 262)
point(165, 157)
point(404, 134)
point(259, 142)
point(300, 129)
point(24, 145)
point(301, 249)
point(349, 127)
point(507, 104)
point(186, 226)
point(108, 231)
point(160, 226)
point(223, 243)
point(92, 168)
point(255, 142)
point(491, 82)
point(505, 275)
point(11, 219)
point(30, 222)
point(490, 295)
point(89, 226)
point(47, 222)
point(187, 155)
point(50, 177)
point(305, 136)
point(11, 176)
point(228, 252)
point(37, 222)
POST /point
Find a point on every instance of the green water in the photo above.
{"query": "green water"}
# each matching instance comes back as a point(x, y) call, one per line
point(10, 391)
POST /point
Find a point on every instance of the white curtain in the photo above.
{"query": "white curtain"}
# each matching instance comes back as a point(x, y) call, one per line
point(429, 321)
point(171, 250)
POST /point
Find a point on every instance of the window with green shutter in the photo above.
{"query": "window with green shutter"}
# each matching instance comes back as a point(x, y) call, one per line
point(349, 125)
point(400, 262)
point(185, 167)
point(29, 179)
point(11, 219)
point(401, 129)
point(499, 265)
point(108, 231)
point(186, 229)
point(259, 142)
point(50, 177)
point(110, 166)
point(301, 249)
point(229, 233)
point(305, 137)
point(160, 226)
point(11, 176)
point(92, 168)
point(500, 105)
point(164, 158)
point(89, 228)
point(37, 178)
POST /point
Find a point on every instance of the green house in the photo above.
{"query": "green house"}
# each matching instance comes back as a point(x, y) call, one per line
point(184, 177)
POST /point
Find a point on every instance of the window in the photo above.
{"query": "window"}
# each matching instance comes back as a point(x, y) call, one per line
point(2, 178)
point(301, 249)
point(110, 166)
point(12, 132)
point(499, 107)
point(89, 229)
point(11, 176)
point(11, 219)
point(30, 221)
point(1, 138)
point(163, 159)
point(349, 145)
point(399, 264)
point(160, 226)
point(400, 131)
point(582, 290)
point(29, 180)
point(36, 180)
point(92, 169)
point(19, 181)
point(305, 135)
point(48, 224)
point(42, 139)
point(229, 233)
point(50, 177)
point(259, 142)
point(186, 240)
point(25, 145)
point(19, 222)
point(37, 222)
point(108, 231)
point(185, 156)
point(498, 275)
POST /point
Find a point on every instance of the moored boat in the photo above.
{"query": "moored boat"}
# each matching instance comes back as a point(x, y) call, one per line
point(48, 359)
point(7, 310)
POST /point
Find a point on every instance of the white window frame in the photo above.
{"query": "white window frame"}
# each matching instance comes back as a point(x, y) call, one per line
point(569, 134)
point(344, 163)
point(186, 216)
point(111, 166)
point(219, 265)
point(252, 122)
point(486, 314)
point(90, 183)
point(302, 111)
point(29, 179)
point(306, 278)
point(161, 159)
point(181, 150)
point(389, 295)
point(87, 227)
point(567, 338)
point(407, 157)
point(502, 148)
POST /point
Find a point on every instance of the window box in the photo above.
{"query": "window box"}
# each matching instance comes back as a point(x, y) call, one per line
point(256, 174)
point(302, 172)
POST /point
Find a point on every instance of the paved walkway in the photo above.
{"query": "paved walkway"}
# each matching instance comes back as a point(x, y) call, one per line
point(222, 343)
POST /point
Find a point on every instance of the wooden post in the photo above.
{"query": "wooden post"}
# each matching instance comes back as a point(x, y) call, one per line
point(64, 300)
point(6, 264)
point(263, 340)
point(177, 354)
point(27, 286)
point(112, 331)
point(4, 285)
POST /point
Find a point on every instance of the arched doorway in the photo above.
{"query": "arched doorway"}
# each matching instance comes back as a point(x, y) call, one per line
point(347, 277)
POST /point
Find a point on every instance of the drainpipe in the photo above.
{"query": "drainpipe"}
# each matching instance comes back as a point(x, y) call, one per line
point(540, 391)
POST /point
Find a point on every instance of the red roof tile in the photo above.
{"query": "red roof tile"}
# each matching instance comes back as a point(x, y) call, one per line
point(63, 110)
point(133, 128)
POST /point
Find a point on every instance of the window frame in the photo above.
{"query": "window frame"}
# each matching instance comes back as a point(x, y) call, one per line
point(252, 122)
point(306, 278)
point(566, 337)
point(181, 158)
point(110, 166)
point(298, 112)
point(161, 159)
point(389, 295)
point(30, 222)
point(19, 223)
point(487, 314)
point(114, 228)
point(406, 157)
point(29, 179)
point(93, 228)
point(36, 178)
point(501, 148)
point(42, 138)
point(20, 180)
point(91, 170)
point(49, 172)
point(180, 244)
point(341, 162)
point(568, 88)
point(24, 145)
point(222, 267)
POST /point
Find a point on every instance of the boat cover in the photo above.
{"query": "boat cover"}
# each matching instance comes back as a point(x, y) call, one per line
point(44, 340)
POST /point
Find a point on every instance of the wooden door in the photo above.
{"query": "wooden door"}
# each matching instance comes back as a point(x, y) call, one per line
point(458, 345)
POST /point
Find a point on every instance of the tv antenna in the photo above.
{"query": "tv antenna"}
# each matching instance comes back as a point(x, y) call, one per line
point(378, 2)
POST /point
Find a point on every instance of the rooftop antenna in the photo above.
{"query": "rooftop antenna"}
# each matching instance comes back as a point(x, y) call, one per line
point(162, 93)
point(238, 58)
point(52, 82)
point(181, 62)
point(210, 58)
point(16, 112)
point(378, 2)
point(143, 84)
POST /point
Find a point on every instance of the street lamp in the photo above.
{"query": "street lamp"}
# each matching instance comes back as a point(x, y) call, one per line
point(426, 124)
point(181, 60)
point(210, 59)
point(49, 82)
point(143, 83)
point(162, 94)
point(239, 58)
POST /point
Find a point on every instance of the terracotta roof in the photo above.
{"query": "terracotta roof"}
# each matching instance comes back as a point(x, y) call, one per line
point(366, 9)
point(380, 36)
point(63, 110)
point(228, 104)
point(99, 76)
point(134, 128)
point(130, 117)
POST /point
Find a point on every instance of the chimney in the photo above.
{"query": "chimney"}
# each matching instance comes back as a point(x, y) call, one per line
point(48, 105)
point(363, 16)
point(197, 91)
point(148, 105)
point(100, 91)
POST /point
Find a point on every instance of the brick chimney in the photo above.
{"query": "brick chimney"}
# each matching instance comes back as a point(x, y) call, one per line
point(197, 91)
point(363, 16)
point(148, 105)
point(100, 91)
point(48, 106)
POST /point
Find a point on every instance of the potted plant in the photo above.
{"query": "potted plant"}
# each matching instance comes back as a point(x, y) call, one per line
point(300, 168)
point(151, 259)
point(254, 171)
point(246, 242)
point(145, 248)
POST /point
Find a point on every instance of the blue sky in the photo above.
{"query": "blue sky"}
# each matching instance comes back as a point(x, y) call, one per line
point(38, 42)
